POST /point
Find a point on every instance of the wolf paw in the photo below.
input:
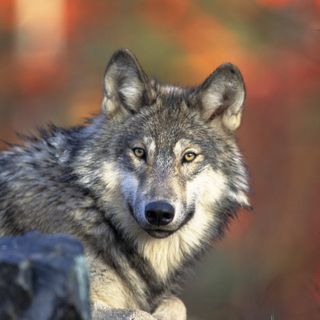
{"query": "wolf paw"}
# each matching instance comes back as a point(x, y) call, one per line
point(171, 308)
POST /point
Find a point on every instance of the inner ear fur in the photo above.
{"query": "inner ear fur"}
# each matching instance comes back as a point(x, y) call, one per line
point(126, 86)
point(221, 96)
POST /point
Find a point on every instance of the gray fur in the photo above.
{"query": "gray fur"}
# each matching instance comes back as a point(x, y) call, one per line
point(87, 182)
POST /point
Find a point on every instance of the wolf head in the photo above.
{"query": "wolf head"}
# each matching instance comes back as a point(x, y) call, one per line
point(168, 154)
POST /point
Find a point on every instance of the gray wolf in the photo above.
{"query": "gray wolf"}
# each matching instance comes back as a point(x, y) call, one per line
point(146, 185)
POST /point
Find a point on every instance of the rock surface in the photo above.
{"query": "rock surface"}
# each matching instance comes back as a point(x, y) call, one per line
point(123, 314)
point(43, 277)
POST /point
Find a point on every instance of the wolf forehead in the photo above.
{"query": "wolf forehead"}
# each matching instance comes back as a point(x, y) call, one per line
point(166, 122)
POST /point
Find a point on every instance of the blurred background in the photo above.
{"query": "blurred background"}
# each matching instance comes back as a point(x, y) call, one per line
point(52, 60)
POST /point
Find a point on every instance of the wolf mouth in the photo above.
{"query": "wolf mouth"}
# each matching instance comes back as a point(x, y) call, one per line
point(159, 234)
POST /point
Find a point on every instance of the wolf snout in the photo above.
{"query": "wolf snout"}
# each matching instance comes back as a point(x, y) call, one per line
point(159, 213)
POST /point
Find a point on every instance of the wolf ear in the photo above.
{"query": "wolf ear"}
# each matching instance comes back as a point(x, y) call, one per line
point(222, 96)
point(126, 86)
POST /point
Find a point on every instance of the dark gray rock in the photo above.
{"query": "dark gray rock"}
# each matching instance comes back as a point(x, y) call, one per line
point(43, 277)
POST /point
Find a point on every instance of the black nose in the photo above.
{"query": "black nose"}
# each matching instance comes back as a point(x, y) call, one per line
point(159, 213)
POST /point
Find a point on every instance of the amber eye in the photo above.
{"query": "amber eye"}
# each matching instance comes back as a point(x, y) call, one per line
point(189, 156)
point(139, 152)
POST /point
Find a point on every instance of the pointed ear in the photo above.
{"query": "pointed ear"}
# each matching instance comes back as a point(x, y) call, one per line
point(222, 95)
point(126, 86)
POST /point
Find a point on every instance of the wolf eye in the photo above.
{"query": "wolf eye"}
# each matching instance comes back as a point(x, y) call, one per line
point(189, 156)
point(139, 153)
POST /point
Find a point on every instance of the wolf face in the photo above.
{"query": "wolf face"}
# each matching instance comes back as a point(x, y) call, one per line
point(167, 167)
point(171, 151)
